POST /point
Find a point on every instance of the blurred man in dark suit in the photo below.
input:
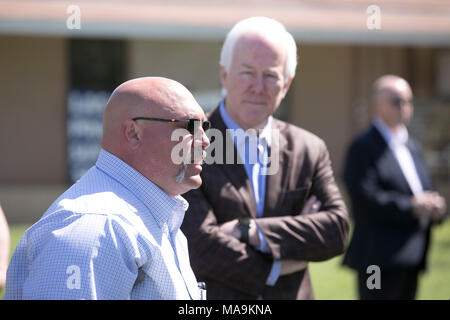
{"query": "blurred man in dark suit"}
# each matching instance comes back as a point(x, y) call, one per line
point(393, 203)
point(253, 225)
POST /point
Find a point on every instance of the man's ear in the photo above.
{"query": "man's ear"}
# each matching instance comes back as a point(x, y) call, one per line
point(131, 132)
point(223, 75)
point(287, 86)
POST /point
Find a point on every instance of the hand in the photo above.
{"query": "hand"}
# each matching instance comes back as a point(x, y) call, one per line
point(429, 204)
point(311, 206)
point(440, 208)
point(231, 228)
point(290, 266)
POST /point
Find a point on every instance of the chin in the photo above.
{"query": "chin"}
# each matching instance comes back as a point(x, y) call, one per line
point(256, 118)
point(406, 120)
point(195, 182)
point(191, 183)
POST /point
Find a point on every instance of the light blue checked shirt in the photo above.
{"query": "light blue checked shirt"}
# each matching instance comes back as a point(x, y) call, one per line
point(112, 235)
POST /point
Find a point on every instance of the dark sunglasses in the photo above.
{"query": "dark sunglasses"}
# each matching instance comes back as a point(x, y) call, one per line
point(399, 102)
point(192, 125)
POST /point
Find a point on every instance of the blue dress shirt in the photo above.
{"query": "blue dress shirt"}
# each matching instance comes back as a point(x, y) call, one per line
point(255, 161)
point(112, 235)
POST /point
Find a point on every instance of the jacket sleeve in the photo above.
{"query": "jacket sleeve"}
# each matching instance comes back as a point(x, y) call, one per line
point(218, 256)
point(316, 236)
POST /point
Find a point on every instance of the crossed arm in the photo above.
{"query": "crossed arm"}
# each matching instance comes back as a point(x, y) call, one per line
point(317, 233)
point(288, 266)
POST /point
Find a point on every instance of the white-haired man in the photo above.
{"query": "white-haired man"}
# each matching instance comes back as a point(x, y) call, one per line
point(253, 233)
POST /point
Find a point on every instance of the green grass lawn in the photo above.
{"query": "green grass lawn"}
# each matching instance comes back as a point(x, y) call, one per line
point(333, 281)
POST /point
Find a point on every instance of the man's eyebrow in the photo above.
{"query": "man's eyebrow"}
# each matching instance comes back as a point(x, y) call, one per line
point(246, 65)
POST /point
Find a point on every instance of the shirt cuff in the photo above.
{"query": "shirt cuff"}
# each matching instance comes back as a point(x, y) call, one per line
point(263, 247)
point(274, 273)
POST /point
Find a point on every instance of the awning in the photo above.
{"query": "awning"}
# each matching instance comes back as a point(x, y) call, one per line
point(401, 22)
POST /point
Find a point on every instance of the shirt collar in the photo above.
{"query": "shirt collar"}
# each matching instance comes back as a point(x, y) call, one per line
point(264, 135)
point(165, 209)
point(392, 138)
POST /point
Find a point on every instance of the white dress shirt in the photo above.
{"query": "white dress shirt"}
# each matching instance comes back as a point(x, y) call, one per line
point(397, 144)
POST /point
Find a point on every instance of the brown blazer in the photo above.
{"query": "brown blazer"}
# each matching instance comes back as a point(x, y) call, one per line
point(235, 270)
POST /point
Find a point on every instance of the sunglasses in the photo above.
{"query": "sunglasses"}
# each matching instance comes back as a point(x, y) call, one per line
point(399, 102)
point(192, 125)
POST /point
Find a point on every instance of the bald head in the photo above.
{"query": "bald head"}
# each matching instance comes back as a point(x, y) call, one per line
point(144, 144)
point(152, 96)
point(389, 84)
point(392, 100)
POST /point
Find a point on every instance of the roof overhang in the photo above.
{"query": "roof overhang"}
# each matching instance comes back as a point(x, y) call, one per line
point(402, 22)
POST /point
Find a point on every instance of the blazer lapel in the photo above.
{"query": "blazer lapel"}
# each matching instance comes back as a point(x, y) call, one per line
point(274, 181)
point(234, 171)
point(391, 164)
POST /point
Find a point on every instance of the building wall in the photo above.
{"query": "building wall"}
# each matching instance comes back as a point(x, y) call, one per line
point(195, 64)
point(32, 110)
point(321, 94)
point(33, 84)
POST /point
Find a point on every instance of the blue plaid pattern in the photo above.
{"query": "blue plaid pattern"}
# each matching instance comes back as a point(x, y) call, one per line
point(112, 235)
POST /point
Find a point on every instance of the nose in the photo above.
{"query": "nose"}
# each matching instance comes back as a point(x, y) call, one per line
point(406, 106)
point(201, 139)
point(205, 140)
point(258, 84)
point(199, 145)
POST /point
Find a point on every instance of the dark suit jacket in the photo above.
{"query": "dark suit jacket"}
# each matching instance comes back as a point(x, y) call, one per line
point(235, 270)
point(386, 233)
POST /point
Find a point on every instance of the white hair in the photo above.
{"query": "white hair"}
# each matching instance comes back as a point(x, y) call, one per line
point(270, 29)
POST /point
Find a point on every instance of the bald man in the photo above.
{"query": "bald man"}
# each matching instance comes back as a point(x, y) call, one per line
point(392, 199)
point(115, 234)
